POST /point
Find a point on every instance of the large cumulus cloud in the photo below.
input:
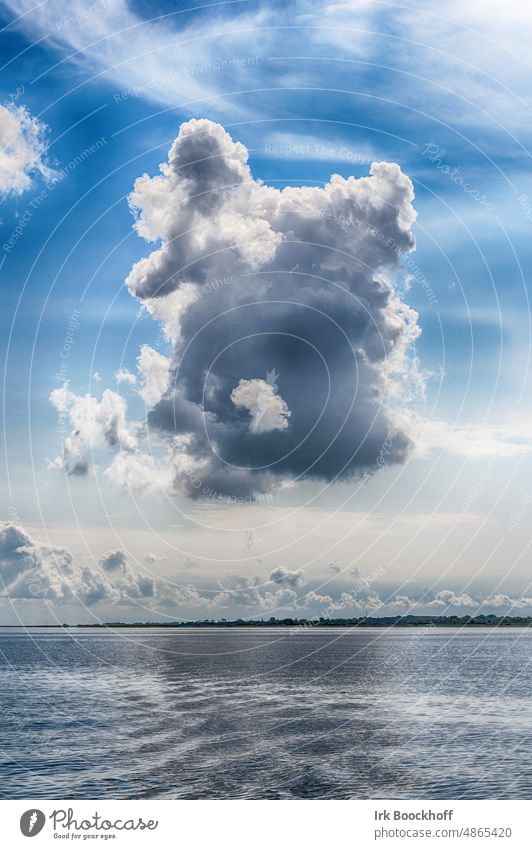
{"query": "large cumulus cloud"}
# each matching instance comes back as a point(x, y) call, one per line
point(291, 346)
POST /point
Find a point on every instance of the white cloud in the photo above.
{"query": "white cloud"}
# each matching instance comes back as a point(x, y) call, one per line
point(282, 575)
point(48, 574)
point(300, 146)
point(152, 559)
point(251, 594)
point(154, 370)
point(505, 601)
point(125, 376)
point(448, 598)
point(511, 439)
point(94, 424)
point(22, 149)
point(402, 602)
point(466, 64)
point(129, 582)
point(30, 570)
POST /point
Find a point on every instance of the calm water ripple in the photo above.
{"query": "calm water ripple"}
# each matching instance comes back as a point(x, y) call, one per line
point(265, 714)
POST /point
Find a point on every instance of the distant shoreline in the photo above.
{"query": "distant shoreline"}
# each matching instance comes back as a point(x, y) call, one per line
point(490, 621)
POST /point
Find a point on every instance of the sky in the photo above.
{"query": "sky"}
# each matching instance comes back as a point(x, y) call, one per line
point(266, 325)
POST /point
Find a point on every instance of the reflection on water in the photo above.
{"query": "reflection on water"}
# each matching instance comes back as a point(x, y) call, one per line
point(265, 714)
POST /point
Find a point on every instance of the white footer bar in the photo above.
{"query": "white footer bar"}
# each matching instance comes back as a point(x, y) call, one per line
point(242, 824)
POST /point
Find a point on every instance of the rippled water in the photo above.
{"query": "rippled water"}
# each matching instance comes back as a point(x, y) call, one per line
point(265, 714)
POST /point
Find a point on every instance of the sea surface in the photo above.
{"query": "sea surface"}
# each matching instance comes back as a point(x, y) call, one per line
point(266, 713)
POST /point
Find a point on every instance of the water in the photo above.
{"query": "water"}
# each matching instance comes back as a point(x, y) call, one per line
point(265, 714)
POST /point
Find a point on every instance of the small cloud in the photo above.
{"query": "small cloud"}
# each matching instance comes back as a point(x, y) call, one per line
point(346, 239)
point(476, 442)
point(448, 598)
point(22, 149)
point(125, 376)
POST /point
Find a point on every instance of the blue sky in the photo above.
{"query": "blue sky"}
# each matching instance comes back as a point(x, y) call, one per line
point(310, 92)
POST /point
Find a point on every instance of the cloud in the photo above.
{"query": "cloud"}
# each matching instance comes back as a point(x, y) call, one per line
point(253, 595)
point(168, 58)
point(129, 582)
point(353, 601)
point(154, 371)
point(282, 575)
point(184, 60)
point(316, 600)
point(22, 149)
point(291, 347)
point(448, 598)
point(476, 441)
point(141, 472)
point(151, 559)
point(31, 570)
point(304, 147)
point(268, 411)
point(125, 376)
point(76, 469)
point(401, 601)
point(94, 424)
point(503, 600)
point(113, 561)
